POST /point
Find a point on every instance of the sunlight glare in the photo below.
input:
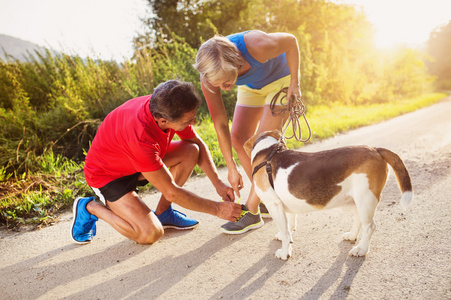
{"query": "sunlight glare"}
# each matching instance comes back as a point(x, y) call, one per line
point(404, 22)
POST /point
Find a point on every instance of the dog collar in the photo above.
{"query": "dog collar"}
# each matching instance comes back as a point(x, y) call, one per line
point(267, 163)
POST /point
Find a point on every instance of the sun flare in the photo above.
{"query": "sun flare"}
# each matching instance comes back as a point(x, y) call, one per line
point(403, 22)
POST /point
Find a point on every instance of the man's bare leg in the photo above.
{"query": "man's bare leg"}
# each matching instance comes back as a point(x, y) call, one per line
point(130, 216)
point(181, 158)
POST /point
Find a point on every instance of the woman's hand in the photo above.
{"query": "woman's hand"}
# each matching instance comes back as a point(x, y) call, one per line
point(236, 181)
point(294, 89)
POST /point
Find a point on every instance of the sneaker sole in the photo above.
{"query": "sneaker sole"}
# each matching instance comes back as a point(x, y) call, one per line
point(179, 228)
point(74, 209)
point(244, 230)
point(266, 216)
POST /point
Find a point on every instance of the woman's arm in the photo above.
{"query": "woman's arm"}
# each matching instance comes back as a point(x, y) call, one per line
point(263, 46)
point(219, 116)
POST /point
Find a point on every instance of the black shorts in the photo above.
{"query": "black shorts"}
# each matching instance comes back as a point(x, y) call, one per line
point(117, 188)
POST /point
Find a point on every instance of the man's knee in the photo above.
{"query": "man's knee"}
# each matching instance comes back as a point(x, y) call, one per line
point(150, 235)
point(189, 154)
point(191, 151)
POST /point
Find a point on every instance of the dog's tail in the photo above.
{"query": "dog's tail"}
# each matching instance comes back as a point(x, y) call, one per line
point(402, 175)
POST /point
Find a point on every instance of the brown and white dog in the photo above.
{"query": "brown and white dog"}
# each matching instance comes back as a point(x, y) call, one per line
point(304, 182)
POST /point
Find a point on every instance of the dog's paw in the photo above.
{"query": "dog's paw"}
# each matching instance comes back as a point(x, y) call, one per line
point(283, 254)
point(347, 237)
point(358, 251)
point(278, 237)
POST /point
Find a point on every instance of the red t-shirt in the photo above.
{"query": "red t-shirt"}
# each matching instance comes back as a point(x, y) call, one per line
point(127, 142)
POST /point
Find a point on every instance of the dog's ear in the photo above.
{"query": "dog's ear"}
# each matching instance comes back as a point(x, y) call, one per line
point(274, 133)
point(277, 134)
point(250, 144)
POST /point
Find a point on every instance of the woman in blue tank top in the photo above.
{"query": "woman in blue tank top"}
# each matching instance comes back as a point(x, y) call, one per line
point(260, 64)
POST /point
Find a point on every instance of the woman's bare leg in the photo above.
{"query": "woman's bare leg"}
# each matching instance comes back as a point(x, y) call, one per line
point(246, 122)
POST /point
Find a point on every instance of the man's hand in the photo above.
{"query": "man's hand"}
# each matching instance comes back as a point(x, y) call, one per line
point(229, 211)
point(225, 191)
point(236, 181)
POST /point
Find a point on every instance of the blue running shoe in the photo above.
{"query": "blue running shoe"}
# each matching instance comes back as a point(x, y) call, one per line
point(172, 218)
point(83, 224)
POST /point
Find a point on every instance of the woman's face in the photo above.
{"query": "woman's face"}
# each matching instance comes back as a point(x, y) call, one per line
point(225, 84)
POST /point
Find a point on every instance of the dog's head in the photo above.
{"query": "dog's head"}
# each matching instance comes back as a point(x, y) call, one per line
point(254, 140)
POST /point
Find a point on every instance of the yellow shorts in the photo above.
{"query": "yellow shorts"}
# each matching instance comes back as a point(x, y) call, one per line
point(260, 97)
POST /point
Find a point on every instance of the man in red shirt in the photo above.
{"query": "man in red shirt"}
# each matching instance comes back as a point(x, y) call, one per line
point(133, 146)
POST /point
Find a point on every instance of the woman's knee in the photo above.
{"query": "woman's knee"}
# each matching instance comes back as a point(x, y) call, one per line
point(238, 139)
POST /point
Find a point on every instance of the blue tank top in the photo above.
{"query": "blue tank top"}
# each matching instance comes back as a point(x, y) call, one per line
point(260, 74)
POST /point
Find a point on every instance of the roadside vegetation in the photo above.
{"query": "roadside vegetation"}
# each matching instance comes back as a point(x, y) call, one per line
point(52, 104)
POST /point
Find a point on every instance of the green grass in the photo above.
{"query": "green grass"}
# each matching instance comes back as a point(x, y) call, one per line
point(37, 198)
point(327, 121)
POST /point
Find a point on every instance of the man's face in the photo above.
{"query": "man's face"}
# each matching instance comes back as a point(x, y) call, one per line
point(188, 118)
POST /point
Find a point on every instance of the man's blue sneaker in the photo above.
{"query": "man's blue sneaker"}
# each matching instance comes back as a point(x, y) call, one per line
point(83, 224)
point(172, 218)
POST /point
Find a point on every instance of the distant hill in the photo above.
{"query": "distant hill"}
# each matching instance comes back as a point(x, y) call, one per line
point(16, 47)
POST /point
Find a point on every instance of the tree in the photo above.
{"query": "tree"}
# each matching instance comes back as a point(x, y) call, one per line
point(194, 20)
point(438, 47)
point(339, 62)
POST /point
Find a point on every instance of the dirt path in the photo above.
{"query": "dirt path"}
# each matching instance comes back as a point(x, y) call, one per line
point(409, 258)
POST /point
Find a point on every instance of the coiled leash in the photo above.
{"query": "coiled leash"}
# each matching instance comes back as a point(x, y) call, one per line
point(296, 109)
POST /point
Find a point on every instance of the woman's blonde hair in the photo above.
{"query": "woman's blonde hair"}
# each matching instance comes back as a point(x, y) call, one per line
point(217, 59)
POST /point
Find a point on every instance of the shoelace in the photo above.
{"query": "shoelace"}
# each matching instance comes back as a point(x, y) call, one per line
point(244, 211)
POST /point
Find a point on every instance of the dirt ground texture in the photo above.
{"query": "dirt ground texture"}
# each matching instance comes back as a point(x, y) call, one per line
point(409, 256)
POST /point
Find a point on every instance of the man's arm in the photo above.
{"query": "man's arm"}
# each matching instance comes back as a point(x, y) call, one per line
point(163, 181)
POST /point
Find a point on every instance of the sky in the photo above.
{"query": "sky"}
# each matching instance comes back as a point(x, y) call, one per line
point(98, 28)
point(105, 28)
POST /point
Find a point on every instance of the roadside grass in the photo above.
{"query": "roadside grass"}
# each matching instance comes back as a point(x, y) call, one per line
point(38, 198)
point(327, 121)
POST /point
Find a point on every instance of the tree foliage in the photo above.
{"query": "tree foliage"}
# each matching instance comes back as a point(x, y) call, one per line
point(339, 62)
point(438, 47)
point(193, 19)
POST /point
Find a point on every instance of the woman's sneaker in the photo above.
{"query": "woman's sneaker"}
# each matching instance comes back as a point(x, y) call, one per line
point(246, 222)
point(172, 218)
point(83, 224)
point(264, 211)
